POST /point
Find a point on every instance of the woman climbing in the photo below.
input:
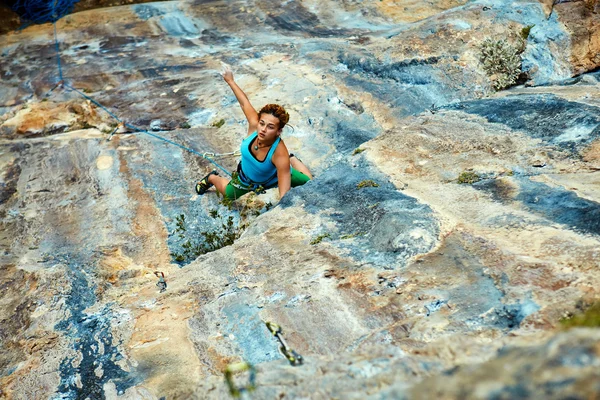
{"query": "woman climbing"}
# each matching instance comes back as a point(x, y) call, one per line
point(265, 161)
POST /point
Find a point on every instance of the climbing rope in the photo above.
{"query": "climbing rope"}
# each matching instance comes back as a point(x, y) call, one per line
point(58, 9)
point(136, 129)
point(60, 74)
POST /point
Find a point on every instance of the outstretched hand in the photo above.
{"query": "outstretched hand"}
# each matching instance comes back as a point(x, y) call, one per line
point(226, 72)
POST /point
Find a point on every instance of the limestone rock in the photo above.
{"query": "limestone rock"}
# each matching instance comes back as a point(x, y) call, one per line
point(448, 231)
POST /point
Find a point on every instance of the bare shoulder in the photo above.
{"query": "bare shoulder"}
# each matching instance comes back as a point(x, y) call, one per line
point(282, 148)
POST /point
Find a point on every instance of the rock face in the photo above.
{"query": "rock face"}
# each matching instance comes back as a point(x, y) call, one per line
point(448, 230)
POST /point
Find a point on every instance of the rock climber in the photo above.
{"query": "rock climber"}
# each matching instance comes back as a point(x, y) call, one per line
point(265, 162)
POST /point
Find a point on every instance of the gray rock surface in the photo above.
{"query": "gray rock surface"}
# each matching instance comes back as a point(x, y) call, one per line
point(448, 230)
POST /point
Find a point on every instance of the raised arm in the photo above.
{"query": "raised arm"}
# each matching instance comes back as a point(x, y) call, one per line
point(249, 111)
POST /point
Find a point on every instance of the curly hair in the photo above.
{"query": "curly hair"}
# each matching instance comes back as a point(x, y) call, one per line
point(278, 112)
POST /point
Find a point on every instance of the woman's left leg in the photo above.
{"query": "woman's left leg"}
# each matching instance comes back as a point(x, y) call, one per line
point(233, 193)
point(219, 182)
point(299, 178)
point(299, 166)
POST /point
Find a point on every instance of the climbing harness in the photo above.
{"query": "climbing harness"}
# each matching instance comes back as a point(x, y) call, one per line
point(237, 182)
point(237, 368)
point(293, 357)
point(162, 284)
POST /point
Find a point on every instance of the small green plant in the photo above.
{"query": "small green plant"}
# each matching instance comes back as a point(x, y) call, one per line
point(180, 225)
point(219, 123)
point(525, 32)
point(224, 235)
point(86, 125)
point(468, 177)
point(366, 183)
point(225, 201)
point(353, 235)
point(501, 61)
point(227, 231)
point(87, 90)
point(590, 318)
point(185, 125)
point(358, 150)
point(320, 238)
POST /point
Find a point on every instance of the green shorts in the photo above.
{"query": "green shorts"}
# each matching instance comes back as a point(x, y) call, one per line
point(234, 192)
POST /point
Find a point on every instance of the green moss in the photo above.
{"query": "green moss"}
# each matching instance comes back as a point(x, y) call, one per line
point(525, 31)
point(366, 183)
point(225, 230)
point(352, 235)
point(185, 125)
point(225, 201)
point(180, 225)
point(86, 125)
point(590, 318)
point(219, 123)
point(468, 177)
point(358, 151)
point(320, 238)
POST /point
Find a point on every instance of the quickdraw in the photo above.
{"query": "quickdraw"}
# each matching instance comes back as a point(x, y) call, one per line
point(214, 155)
point(119, 126)
point(162, 284)
point(236, 368)
point(293, 357)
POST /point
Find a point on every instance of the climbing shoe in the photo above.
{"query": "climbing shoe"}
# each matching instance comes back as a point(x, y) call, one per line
point(204, 184)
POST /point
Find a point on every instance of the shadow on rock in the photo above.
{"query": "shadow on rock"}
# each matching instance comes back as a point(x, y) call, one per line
point(375, 222)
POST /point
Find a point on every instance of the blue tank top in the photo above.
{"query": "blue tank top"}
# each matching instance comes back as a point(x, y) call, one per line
point(258, 172)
